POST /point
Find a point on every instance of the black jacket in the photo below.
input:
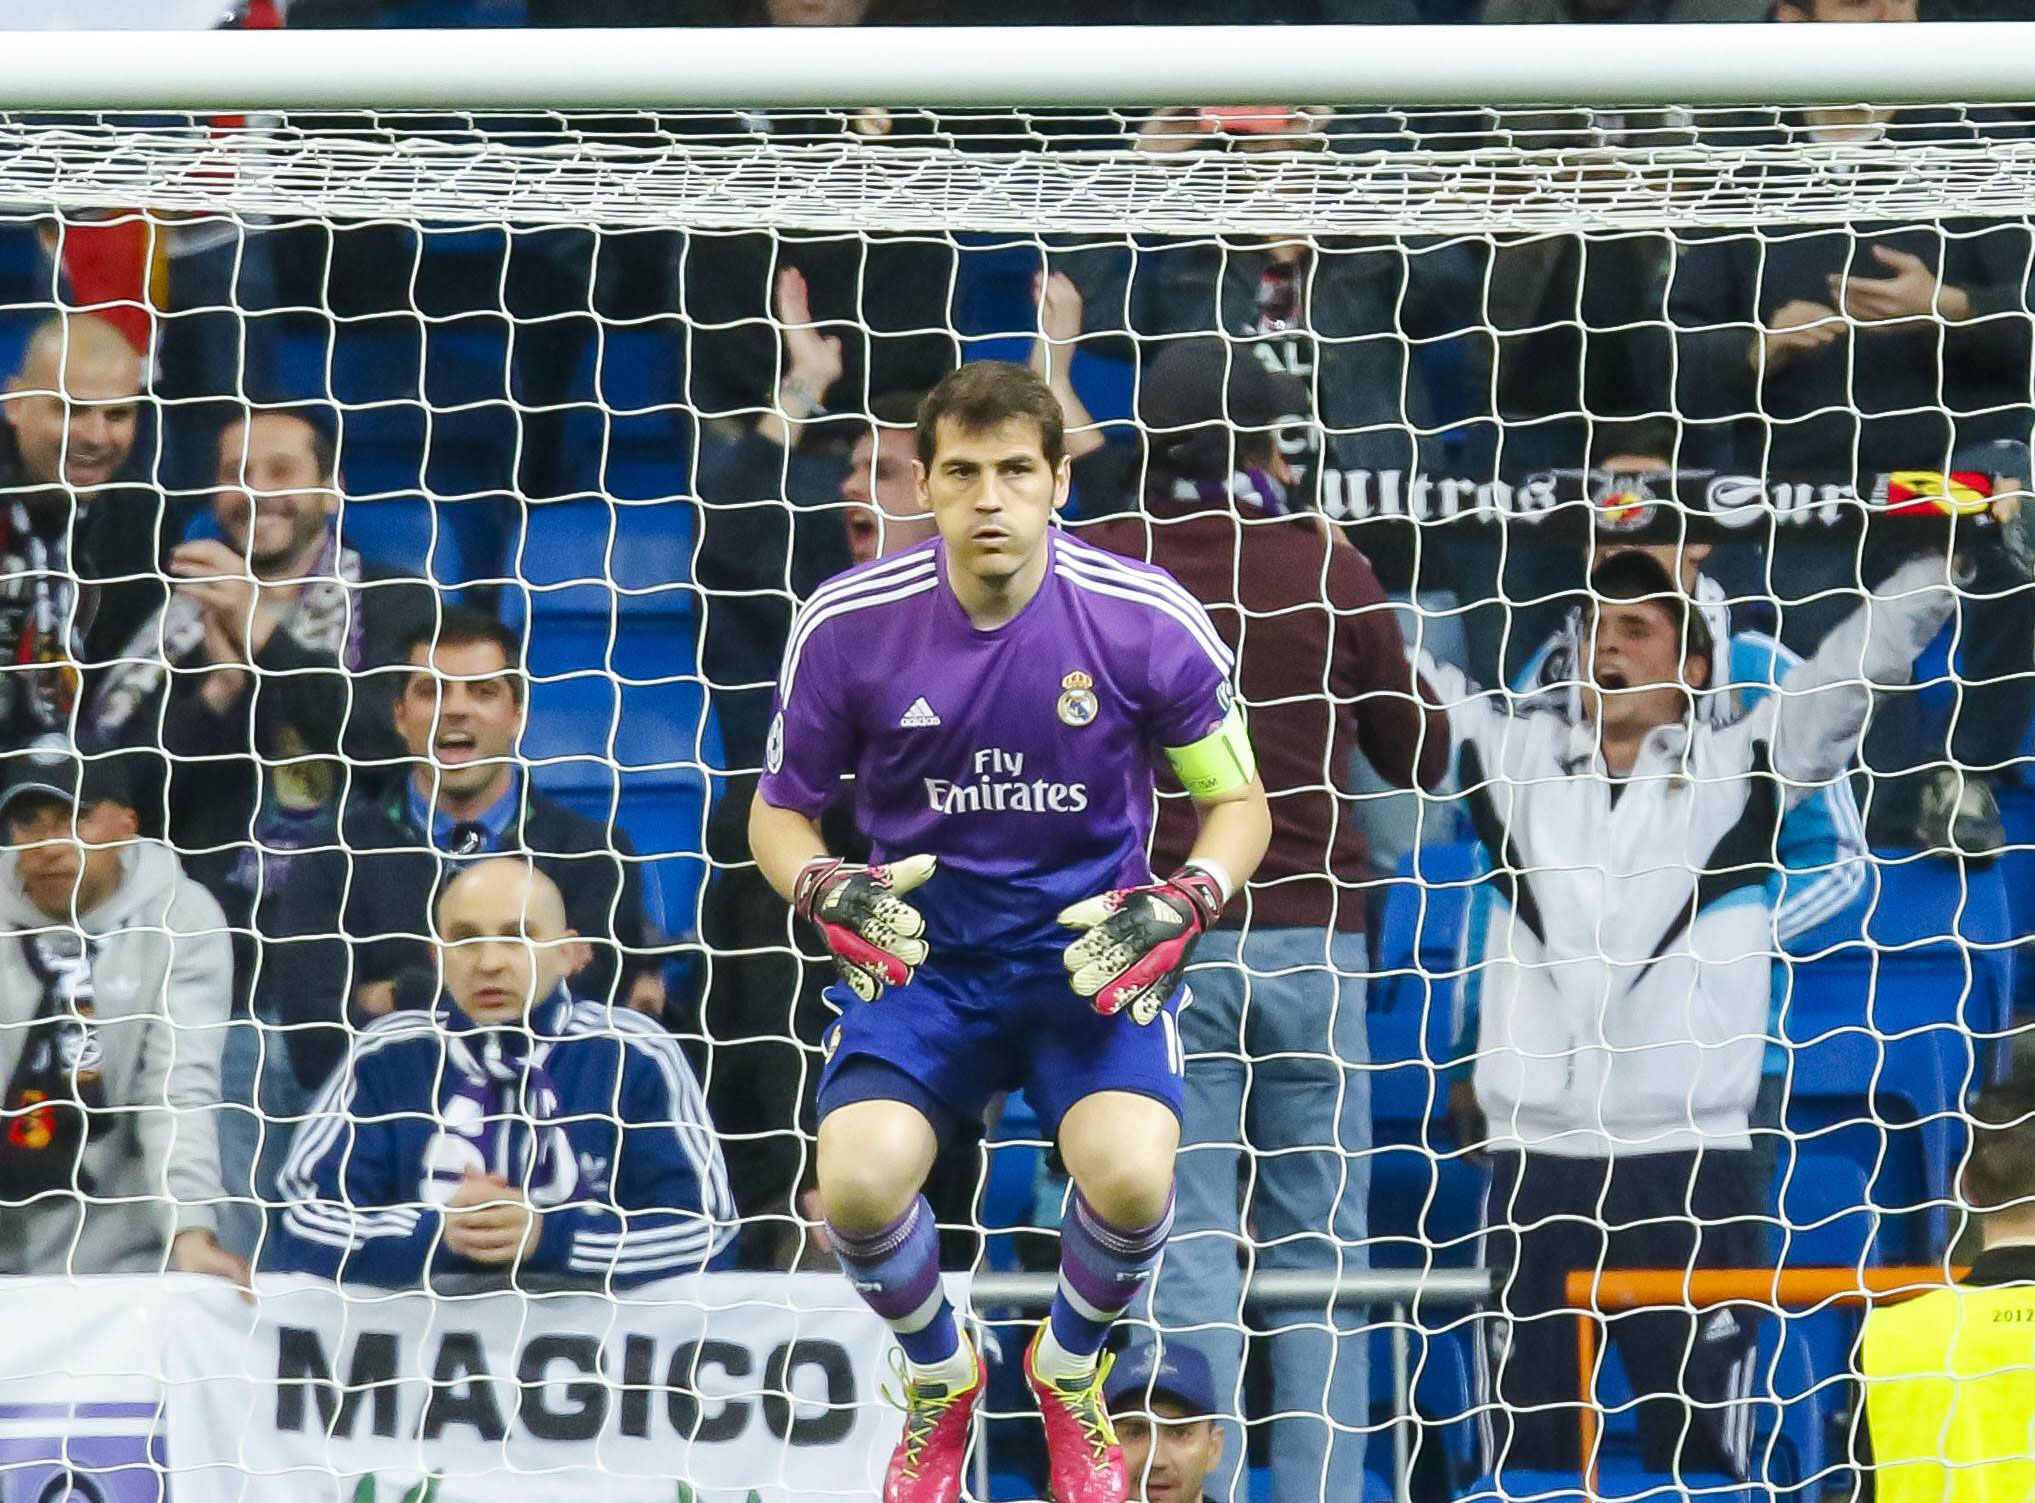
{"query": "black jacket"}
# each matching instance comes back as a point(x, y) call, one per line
point(112, 547)
point(299, 705)
point(755, 554)
point(359, 912)
point(1899, 397)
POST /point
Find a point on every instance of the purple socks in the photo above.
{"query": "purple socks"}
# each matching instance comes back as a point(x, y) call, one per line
point(897, 1273)
point(1102, 1268)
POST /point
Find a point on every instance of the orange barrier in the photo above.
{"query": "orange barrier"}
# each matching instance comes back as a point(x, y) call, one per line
point(1593, 1292)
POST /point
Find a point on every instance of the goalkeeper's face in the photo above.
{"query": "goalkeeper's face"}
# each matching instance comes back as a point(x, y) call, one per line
point(993, 495)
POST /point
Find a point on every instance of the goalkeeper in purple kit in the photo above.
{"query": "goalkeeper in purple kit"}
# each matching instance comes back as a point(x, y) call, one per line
point(1003, 696)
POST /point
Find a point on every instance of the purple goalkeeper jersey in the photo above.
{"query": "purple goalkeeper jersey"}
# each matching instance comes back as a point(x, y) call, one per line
point(1022, 757)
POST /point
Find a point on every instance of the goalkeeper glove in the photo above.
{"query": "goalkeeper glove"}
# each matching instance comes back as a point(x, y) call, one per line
point(1138, 941)
point(873, 934)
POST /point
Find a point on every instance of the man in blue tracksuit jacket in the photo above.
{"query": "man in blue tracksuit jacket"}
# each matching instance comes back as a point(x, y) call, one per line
point(511, 1127)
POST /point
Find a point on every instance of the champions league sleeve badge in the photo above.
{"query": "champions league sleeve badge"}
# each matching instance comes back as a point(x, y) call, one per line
point(1078, 705)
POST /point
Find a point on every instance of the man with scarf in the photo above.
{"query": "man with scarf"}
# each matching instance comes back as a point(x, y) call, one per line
point(1275, 1041)
point(512, 1127)
point(78, 545)
point(258, 669)
point(253, 675)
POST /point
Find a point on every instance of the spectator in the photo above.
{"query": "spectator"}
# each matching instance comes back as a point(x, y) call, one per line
point(757, 557)
point(885, 514)
point(78, 548)
point(1275, 1041)
point(259, 666)
point(252, 677)
point(1850, 351)
point(1949, 1377)
point(1930, 778)
point(1334, 314)
point(1163, 1403)
point(352, 924)
point(115, 976)
point(1618, 1061)
point(510, 1126)
point(1853, 350)
point(1820, 868)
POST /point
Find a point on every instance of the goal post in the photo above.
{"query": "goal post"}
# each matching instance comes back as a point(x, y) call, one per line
point(622, 68)
point(468, 248)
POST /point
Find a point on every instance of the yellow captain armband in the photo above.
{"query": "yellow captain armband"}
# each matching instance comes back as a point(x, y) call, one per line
point(1218, 762)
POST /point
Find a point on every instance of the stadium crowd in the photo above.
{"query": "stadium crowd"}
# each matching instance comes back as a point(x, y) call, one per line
point(336, 941)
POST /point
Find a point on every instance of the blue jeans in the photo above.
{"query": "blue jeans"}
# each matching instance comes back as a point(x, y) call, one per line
point(1276, 1046)
point(263, 1104)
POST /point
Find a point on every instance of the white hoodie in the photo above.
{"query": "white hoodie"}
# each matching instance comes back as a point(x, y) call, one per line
point(163, 984)
point(1626, 973)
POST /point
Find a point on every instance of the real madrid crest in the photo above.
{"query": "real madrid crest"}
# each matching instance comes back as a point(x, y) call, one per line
point(1077, 699)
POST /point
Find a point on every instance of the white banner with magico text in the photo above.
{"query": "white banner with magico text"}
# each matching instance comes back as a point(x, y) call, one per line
point(718, 1389)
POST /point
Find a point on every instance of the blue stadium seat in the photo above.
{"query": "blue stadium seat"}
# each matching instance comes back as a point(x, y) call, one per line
point(1800, 1379)
point(1895, 1020)
point(1413, 1017)
point(1426, 1205)
point(454, 544)
point(1618, 1481)
point(579, 712)
point(629, 396)
point(1443, 1389)
point(376, 359)
point(620, 728)
point(1850, 1190)
point(2017, 876)
point(1014, 1160)
point(578, 556)
point(300, 358)
point(652, 786)
point(24, 282)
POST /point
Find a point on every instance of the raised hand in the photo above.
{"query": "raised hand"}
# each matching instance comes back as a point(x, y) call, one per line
point(1912, 290)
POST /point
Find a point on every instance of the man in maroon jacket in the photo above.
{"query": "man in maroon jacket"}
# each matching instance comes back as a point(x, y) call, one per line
point(1275, 1037)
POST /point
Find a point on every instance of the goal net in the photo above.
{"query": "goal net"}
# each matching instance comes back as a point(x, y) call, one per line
point(388, 488)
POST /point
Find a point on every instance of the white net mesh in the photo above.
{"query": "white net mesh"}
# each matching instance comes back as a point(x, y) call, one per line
point(511, 444)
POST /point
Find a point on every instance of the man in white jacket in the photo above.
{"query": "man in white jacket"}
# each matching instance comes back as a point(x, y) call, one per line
point(1625, 987)
point(116, 972)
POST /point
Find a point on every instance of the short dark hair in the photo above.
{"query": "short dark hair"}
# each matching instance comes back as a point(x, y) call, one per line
point(986, 394)
point(316, 416)
point(2001, 1169)
point(463, 626)
point(1640, 577)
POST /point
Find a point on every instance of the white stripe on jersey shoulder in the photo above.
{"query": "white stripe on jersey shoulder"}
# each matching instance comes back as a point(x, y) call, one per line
point(913, 560)
point(1074, 551)
point(1117, 589)
point(871, 591)
point(1090, 559)
point(881, 575)
point(1152, 590)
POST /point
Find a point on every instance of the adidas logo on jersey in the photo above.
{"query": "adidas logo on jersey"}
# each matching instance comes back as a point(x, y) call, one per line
point(919, 716)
